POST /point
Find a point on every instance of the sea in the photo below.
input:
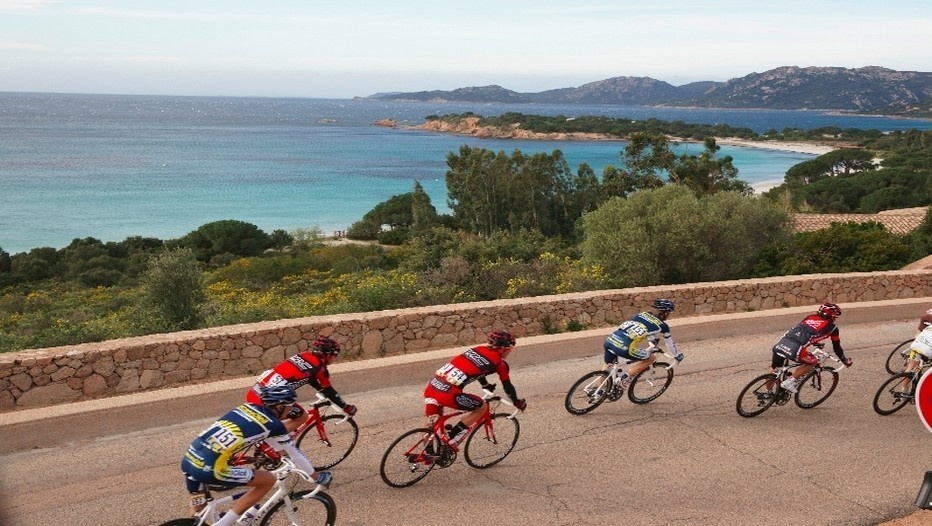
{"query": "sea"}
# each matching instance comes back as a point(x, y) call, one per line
point(114, 166)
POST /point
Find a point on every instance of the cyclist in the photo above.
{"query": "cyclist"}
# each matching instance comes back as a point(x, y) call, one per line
point(922, 345)
point(810, 331)
point(208, 456)
point(445, 389)
point(625, 341)
point(308, 367)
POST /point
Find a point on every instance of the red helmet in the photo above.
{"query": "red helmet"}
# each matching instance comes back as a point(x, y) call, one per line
point(325, 346)
point(829, 310)
point(501, 339)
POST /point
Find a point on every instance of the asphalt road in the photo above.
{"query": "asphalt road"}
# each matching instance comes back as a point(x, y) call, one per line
point(684, 459)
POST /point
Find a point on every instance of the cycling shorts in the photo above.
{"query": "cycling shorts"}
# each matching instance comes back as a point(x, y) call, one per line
point(228, 476)
point(436, 399)
point(613, 352)
point(786, 350)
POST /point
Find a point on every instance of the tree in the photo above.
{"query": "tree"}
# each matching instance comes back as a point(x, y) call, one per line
point(705, 174)
point(174, 291)
point(228, 236)
point(670, 235)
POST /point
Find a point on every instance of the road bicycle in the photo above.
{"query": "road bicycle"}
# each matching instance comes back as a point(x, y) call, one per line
point(416, 452)
point(283, 507)
point(899, 390)
point(596, 387)
point(335, 437)
point(812, 389)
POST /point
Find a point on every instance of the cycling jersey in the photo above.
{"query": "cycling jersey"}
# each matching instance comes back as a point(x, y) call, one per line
point(208, 457)
point(625, 341)
point(923, 343)
point(445, 389)
point(301, 369)
point(794, 343)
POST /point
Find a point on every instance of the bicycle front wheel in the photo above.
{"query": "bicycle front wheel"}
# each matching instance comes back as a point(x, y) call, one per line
point(303, 508)
point(189, 521)
point(587, 393)
point(757, 396)
point(489, 444)
point(408, 459)
point(650, 383)
point(898, 357)
point(894, 394)
point(330, 441)
point(816, 386)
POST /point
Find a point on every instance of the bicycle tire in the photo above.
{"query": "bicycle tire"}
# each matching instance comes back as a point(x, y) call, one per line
point(188, 521)
point(396, 469)
point(489, 445)
point(896, 360)
point(580, 402)
point(896, 397)
point(342, 437)
point(758, 395)
point(820, 383)
point(652, 382)
point(306, 506)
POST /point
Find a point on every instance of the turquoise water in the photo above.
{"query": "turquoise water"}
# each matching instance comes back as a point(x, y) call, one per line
point(111, 166)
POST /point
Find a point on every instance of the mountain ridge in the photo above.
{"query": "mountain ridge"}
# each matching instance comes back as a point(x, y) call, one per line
point(871, 90)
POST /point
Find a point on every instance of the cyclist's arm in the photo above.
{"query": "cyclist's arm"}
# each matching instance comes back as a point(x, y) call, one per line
point(333, 396)
point(283, 443)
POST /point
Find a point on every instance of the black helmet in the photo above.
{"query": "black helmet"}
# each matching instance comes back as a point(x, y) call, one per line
point(501, 339)
point(663, 305)
point(326, 346)
point(277, 394)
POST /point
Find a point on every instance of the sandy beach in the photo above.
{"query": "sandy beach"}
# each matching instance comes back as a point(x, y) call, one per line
point(798, 147)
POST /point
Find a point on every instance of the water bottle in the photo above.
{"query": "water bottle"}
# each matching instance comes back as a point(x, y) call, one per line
point(248, 516)
point(621, 380)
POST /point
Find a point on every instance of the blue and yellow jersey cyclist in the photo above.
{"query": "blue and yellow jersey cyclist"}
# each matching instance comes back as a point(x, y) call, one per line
point(625, 342)
point(208, 457)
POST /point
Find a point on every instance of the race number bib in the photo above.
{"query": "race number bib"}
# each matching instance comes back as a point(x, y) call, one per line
point(452, 375)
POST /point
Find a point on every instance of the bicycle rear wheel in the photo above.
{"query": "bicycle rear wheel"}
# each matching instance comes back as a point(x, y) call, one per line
point(489, 444)
point(896, 361)
point(757, 396)
point(330, 441)
point(816, 386)
point(407, 460)
point(305, 509)
point(584, 395)
point(650, 383)
point(893, 395)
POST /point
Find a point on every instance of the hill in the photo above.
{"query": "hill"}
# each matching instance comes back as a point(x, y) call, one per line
point(868, 90)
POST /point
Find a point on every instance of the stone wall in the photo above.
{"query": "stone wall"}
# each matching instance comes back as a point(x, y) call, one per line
point(42, 377)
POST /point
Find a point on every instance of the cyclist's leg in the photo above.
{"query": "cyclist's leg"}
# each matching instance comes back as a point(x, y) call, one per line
point(476, 407)
point(295, 418)
point(776, 361)
point(642, 360)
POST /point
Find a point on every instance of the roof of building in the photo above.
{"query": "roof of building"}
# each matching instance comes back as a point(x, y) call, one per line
point(900, 221)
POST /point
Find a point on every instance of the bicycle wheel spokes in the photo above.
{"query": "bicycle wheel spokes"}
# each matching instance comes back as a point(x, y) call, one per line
point(408, 459)
point(896, 360)
point(757, 396)
point(303, 508)
point(491, 443)
point(894, 394)
point(587, 393)
point(329, 445)
point(650, 383)
point(816, 386)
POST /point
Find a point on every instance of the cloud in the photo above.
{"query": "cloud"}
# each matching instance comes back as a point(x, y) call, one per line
point(22, 45)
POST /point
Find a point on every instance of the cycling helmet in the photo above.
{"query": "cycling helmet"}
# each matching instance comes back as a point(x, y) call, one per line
point(326, 346)
point(501, 339)
point(277, 394)
point(663, 305)
point(829, 309)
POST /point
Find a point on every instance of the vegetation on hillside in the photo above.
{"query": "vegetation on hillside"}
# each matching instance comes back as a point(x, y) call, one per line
point(521, 225)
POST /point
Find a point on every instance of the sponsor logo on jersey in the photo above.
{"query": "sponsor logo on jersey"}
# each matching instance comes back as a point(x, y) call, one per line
point(301, 363)
point(473, 356)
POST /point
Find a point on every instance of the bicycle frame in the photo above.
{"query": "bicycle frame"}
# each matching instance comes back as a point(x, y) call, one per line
point(438, 427)
point(214, 506)
point(613, 370)
point(782, 373)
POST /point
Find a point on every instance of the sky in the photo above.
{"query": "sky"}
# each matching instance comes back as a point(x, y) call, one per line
point(343, 49)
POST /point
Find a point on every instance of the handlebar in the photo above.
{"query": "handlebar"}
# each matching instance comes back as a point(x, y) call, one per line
point(288, 467)
point(823, 355)
point(323, 401)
